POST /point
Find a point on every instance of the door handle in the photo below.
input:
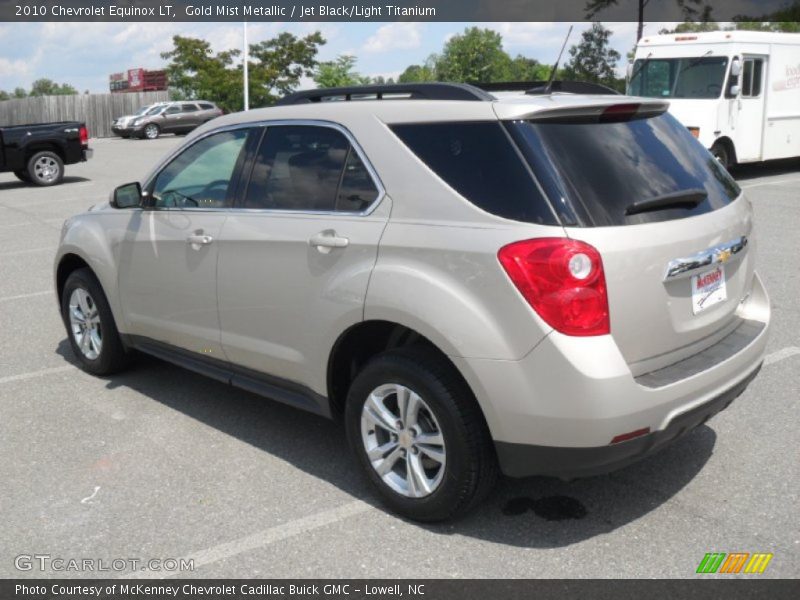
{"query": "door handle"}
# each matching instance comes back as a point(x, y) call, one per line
point(198, 240)
point(327, 240)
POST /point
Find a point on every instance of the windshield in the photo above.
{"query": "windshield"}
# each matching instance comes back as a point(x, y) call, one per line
point(142, 111)
point(155, 110)
point(691, 77)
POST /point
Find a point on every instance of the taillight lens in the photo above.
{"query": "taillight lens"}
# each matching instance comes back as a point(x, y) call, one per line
point(84, 135)
point(563, 281)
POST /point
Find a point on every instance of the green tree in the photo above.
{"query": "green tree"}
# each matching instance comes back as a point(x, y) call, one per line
point(692, 10)
point(4, 95)
point(786, 19)
point(419, 73)
point(19, 93)
point(474, 56)
point(692, 27)
point(339, 73)
point(593, 59)
point(528, 69)
point(47, 87)
point(274, 68)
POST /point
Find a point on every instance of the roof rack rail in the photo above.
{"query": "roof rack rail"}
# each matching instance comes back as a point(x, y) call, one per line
point(539, 87)
point(408, 91)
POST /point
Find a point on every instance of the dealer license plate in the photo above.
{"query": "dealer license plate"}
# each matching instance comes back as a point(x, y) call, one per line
point(708, 289)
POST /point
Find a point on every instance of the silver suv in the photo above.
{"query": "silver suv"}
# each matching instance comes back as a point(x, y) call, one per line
point(551, 284)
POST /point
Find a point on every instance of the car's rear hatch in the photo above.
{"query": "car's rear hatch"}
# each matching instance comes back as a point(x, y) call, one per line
point(672, 228)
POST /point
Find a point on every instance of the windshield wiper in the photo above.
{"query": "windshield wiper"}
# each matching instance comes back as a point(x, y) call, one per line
point(685, 198)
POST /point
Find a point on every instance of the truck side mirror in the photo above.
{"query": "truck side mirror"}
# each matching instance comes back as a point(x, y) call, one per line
point(736, 67)
point(629, 71)
point(734, 91)
point(127, 196)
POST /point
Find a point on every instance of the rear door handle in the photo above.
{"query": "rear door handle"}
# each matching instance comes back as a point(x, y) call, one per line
point(327, 240)
point(198, 240)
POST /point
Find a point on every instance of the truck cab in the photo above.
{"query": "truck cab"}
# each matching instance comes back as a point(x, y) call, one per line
point(738, 92)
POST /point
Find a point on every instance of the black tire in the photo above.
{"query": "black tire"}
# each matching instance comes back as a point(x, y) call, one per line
point(721, 153)
point(45, 168)
point(112, 357)
point(22, 176)
point(470, 469)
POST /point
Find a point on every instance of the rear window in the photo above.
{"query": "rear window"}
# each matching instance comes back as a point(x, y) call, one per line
point(206, 106)
point(479, 161)
point(594, 171)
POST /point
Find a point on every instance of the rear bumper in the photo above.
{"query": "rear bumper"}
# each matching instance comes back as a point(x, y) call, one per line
point(522, 460)
point(87, 154)
point(556, 411)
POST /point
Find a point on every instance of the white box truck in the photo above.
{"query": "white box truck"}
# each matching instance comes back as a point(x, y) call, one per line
point(738, 92)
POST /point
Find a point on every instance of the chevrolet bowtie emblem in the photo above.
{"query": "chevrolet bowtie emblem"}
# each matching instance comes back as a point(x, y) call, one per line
point(723, 256)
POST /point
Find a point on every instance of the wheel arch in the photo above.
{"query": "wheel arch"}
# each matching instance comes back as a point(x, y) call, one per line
point(730, 148)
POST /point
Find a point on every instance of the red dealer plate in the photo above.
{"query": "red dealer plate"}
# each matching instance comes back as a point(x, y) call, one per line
point(708, 289)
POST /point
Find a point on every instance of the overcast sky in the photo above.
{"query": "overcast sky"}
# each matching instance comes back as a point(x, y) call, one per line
point(84, 54)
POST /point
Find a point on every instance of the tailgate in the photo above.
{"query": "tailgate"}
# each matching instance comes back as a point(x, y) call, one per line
point(674, 286)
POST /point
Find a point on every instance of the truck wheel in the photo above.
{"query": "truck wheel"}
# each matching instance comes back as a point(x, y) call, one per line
point(720, 152)
point(45, 168)
point(22, 176)
point(418, 432)
point(151, 131)
point(90, 325)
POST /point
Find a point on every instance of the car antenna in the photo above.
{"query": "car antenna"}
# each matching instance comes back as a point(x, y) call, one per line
point(549, 85)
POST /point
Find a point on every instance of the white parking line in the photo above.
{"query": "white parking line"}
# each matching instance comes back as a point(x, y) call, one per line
point(762, 183)
point(781, 354)
point(23, 296)
point(35, 374)
point(264, 538)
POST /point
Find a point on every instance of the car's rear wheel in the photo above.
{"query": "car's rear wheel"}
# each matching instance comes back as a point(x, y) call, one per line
point(45, 168)
point(151, 131)
point(419, 434)
point(90, 325)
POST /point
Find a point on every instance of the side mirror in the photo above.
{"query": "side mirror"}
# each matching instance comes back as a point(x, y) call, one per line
point(734, 90)
point(736, 67)
point(629, 70)
point(127, 196)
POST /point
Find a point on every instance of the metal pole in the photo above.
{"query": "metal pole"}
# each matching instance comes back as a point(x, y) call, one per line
point(246, 78)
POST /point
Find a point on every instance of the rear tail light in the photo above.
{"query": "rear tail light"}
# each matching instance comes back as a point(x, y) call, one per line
point(619, 112)
point(84, 135)
point(563, 281)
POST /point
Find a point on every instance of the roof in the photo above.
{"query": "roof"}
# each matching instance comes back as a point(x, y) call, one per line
point(721, 37)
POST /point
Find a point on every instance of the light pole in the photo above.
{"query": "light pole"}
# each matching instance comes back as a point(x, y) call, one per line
point(246, 78)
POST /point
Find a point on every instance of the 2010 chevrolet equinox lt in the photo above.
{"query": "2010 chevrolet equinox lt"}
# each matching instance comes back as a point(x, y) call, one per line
point(544, 284)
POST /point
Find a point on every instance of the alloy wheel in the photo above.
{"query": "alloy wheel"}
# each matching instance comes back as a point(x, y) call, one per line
point(46, 169)
point(84, 320)
point(403, 440)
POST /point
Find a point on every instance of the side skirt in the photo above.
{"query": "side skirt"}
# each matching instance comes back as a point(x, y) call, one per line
point(274, 388)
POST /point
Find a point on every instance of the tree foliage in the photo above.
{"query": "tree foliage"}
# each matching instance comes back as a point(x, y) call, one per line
point(275, 67)
point(692, 10)
point(339, 73)
point(47, 87)
point(593, 59)
point(474, 56)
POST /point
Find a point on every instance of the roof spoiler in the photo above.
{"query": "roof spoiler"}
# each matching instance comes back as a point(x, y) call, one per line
point(535, 88)
point(600, 113)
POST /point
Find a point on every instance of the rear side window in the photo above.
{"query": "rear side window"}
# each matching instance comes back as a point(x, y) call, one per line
point(600, 169)
point(308, 168)
point(206, 106)
point(479, 161)
point(188, 108)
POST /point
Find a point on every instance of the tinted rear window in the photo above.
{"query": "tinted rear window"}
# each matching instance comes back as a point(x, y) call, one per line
point(593, 171)
point(480, 162)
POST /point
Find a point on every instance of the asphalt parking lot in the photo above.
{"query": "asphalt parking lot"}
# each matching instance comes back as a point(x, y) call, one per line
point(161, 463)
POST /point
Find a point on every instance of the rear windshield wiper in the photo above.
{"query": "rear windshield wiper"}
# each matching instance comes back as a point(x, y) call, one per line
point(687, 198)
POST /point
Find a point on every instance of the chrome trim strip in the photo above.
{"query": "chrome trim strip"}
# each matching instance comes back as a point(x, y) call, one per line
point(278, 123)
point(715, 255)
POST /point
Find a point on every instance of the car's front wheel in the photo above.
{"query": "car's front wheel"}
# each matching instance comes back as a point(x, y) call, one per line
point(90, 325)
point(151, 131)
point(420, 435)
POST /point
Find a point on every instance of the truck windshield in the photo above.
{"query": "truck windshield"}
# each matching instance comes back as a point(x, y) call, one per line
point(691, 77)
